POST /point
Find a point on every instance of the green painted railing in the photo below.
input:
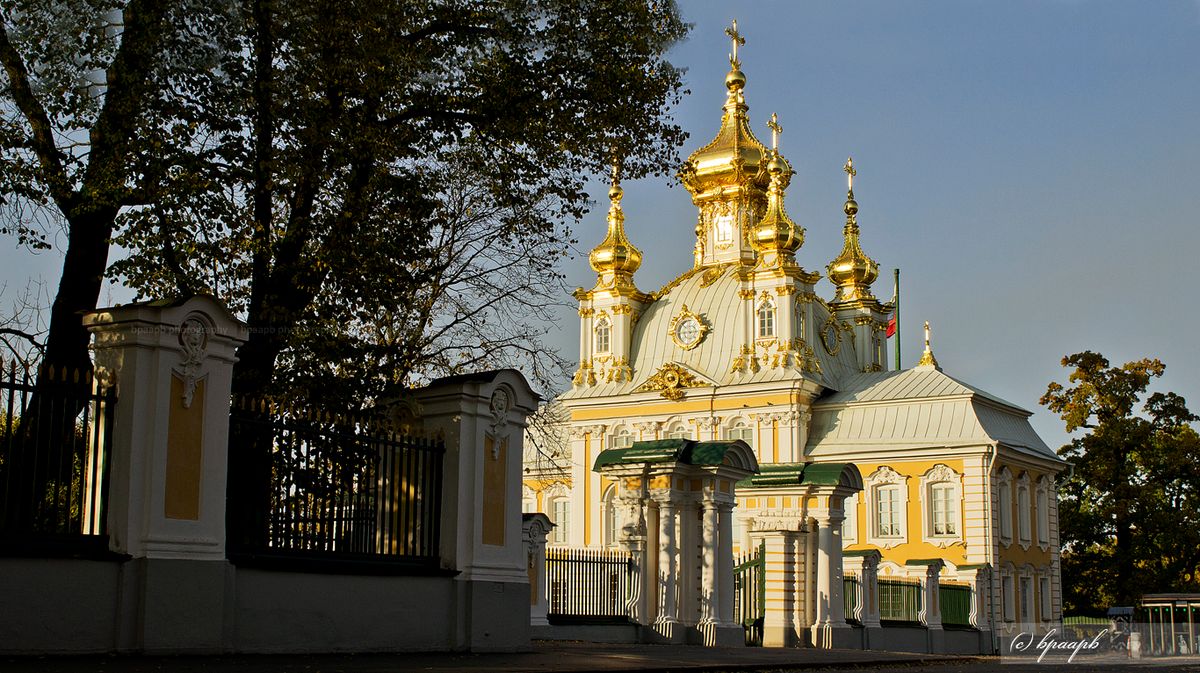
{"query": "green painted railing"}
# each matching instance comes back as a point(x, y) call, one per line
point(956, 604)
point(899, 600)
point(750, 588)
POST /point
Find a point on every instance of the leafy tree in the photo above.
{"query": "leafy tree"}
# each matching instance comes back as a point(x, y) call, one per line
point(379, 187)
point(1129, 514)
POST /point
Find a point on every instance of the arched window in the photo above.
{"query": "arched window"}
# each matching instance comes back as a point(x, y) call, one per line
point(887, 505)
point(741, 431)
point(766, 318)
point(941, 490)
point(678, 431)
point(1043, 512)
point(612, 519)
point(1004, 505)
point(1024, 511)
point(622, 439)
point(603, 334)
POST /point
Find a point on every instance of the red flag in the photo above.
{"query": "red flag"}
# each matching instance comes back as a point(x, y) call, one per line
point(891, 330)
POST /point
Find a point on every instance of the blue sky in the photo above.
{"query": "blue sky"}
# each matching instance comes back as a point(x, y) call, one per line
point(1032, 167)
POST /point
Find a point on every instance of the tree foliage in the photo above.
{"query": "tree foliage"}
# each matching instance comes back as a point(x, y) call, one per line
point(380, 188)
point(1129, 514)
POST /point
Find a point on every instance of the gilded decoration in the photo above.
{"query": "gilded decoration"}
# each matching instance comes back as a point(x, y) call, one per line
point(831, 336)
point(713, 274)
point(687, 329)
point(852, 272)
point(669, 381)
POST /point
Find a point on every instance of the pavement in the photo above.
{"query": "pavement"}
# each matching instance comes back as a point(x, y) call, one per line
point(559, 657)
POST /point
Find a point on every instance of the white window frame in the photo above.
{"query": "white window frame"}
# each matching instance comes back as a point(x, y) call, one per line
point(1044, 596)
point(677, 430)
point(850, 522)
point(766, 317)
point(617, 441)
point(561, 533)
point(1004, 506)
point(602, 341)
point(885, 478)
point(741, 429)
point(1042, 501)
point(1025, 600)
point(612, 517)
point(1008, 598)
point(1024, 512)
point(942, 476)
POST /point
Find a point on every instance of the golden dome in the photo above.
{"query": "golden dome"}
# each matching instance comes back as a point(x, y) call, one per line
point(776, 232)
point(615, 254)
point(852, 272)
point(735, 160)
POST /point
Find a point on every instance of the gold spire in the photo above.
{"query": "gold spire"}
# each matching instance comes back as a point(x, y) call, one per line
point(615, 255)
point(852, 272)
point(927, 359)
point(776, 232)
point(735, 161)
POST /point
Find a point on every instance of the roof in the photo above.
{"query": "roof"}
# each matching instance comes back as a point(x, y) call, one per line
point(915, 408)
point(686, 451)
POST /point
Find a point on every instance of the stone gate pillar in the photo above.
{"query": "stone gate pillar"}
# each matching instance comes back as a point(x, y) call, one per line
point(172, 363)
point(482, 417)
point(534, 529)
point(865, 564)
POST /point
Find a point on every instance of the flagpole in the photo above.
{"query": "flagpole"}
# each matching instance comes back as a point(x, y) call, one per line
point(896, 279)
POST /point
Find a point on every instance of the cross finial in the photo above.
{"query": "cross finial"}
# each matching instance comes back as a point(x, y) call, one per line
point(737, 39)
point(776, 129)
point(926, 335)
point(616, 170)
point(850, 173)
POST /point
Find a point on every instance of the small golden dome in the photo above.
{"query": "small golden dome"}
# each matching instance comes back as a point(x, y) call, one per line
point(615, 254)
point(852, 272)
point(776, 232)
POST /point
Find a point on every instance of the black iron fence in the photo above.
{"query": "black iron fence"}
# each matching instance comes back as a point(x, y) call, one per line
point(899, 600)
point(307, 484)
point(589, 585)
point(55, 437)
point(750, 592)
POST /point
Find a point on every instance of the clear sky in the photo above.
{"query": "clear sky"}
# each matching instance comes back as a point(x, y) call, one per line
point(1031, 166)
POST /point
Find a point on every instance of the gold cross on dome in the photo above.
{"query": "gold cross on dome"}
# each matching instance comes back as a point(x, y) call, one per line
point(850, 173)
point(776, 129)
point(737, 40)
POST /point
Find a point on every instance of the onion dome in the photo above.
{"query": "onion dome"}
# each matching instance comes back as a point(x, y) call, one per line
point(852, 272)
point(734, 160)
point(615, 254)
point(776, 232)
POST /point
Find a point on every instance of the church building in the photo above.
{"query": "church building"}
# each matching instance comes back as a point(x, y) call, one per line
point(742, 346)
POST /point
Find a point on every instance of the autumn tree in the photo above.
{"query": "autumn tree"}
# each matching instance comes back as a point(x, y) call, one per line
point(1129, 513)
point(381, 189)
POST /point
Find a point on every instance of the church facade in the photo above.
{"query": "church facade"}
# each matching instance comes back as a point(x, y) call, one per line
point(742, 346)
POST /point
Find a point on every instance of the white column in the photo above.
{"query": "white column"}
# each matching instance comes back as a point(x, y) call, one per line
point(725, 562)
point(668, 571)
point(710, 589)
point(830, 606)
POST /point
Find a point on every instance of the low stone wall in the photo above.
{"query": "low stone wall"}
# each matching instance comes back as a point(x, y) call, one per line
point(592, 633)
point(72, 606)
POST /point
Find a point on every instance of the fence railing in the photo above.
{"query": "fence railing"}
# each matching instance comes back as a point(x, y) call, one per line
point(850, 596)
point(55, 437)
point(899, 600)
point(589, 585)
point(956, 604)
point(750, 592)
point(334, 487)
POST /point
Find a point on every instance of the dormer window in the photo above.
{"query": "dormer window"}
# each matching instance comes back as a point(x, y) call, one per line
point(766, 318)
point(724, 230)
point(603, 335)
